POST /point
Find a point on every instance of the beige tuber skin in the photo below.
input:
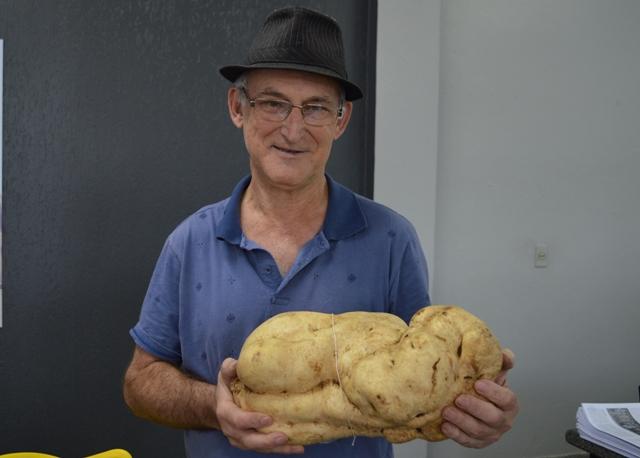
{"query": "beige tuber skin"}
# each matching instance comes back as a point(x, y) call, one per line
point(322, 377)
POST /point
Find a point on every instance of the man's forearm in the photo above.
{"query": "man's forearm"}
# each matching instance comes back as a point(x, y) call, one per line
point(162, 393)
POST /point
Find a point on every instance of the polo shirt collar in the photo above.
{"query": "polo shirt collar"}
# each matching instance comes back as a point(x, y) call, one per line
point(344, 216)
point(229, 227)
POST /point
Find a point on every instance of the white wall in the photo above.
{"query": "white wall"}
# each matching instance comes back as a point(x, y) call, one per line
point(407, 122)
point(407, 110)
point(538, 140)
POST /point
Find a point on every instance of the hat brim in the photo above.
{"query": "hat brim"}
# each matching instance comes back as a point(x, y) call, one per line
point(232, 72)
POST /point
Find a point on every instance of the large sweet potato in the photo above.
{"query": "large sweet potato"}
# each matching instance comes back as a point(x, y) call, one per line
point(323, 376)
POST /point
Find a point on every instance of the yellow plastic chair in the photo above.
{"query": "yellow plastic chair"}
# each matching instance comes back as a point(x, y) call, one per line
point(115, 453)
point(27, 455)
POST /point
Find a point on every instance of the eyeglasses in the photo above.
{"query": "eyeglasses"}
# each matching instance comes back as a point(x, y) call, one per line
point(277, 110)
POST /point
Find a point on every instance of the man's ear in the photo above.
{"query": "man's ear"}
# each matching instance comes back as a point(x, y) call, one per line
point(343, 121)
point(234, 102)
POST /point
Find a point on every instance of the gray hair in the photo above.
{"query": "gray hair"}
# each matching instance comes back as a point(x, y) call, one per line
point(241, 85)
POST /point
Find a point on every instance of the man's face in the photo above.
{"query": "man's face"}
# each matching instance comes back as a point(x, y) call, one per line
point(288, 154)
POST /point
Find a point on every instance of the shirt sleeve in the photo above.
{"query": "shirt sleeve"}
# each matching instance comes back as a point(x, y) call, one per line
point(157, 329)
point(410, 283)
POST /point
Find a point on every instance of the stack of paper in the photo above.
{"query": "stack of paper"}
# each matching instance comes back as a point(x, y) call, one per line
point(613, 426)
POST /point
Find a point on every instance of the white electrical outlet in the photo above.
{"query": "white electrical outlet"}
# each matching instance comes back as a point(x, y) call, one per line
point(541, 255)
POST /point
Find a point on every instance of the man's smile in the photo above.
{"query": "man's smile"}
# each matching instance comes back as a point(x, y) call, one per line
point(288, 150)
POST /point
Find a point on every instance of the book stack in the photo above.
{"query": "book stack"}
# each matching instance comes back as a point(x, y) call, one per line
point(612, 426)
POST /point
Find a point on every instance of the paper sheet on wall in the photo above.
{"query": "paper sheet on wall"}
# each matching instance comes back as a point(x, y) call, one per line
point(1, 124)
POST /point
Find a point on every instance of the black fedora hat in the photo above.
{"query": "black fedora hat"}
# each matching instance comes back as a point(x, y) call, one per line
point(297, 38)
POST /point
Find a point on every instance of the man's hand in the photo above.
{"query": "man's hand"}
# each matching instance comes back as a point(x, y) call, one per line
point(241, 426)
point(477, 423)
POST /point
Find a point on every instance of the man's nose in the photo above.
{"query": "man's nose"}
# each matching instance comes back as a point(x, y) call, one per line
point(293, 126)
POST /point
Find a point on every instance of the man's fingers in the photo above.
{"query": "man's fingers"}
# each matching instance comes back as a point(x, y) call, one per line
point(290, 449)
point(268, 443)
point(472, 412)
point(228, 370)
point(477, 421)
point(508, 363)
point(462, 438)
point(467, 423)
point(282, 449)
point(483, 419)
point(225, 377)
point(240, 420)
point(508, 359)
point(501, 396)
point(240, 426)
point(232, 417)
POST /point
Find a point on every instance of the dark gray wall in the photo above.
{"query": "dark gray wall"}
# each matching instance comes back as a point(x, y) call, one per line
point(115, 129)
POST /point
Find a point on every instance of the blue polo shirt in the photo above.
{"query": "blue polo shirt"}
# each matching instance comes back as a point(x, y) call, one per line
point(212, 286)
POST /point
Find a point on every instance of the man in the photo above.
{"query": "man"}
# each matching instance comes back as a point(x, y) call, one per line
point(288, 238)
